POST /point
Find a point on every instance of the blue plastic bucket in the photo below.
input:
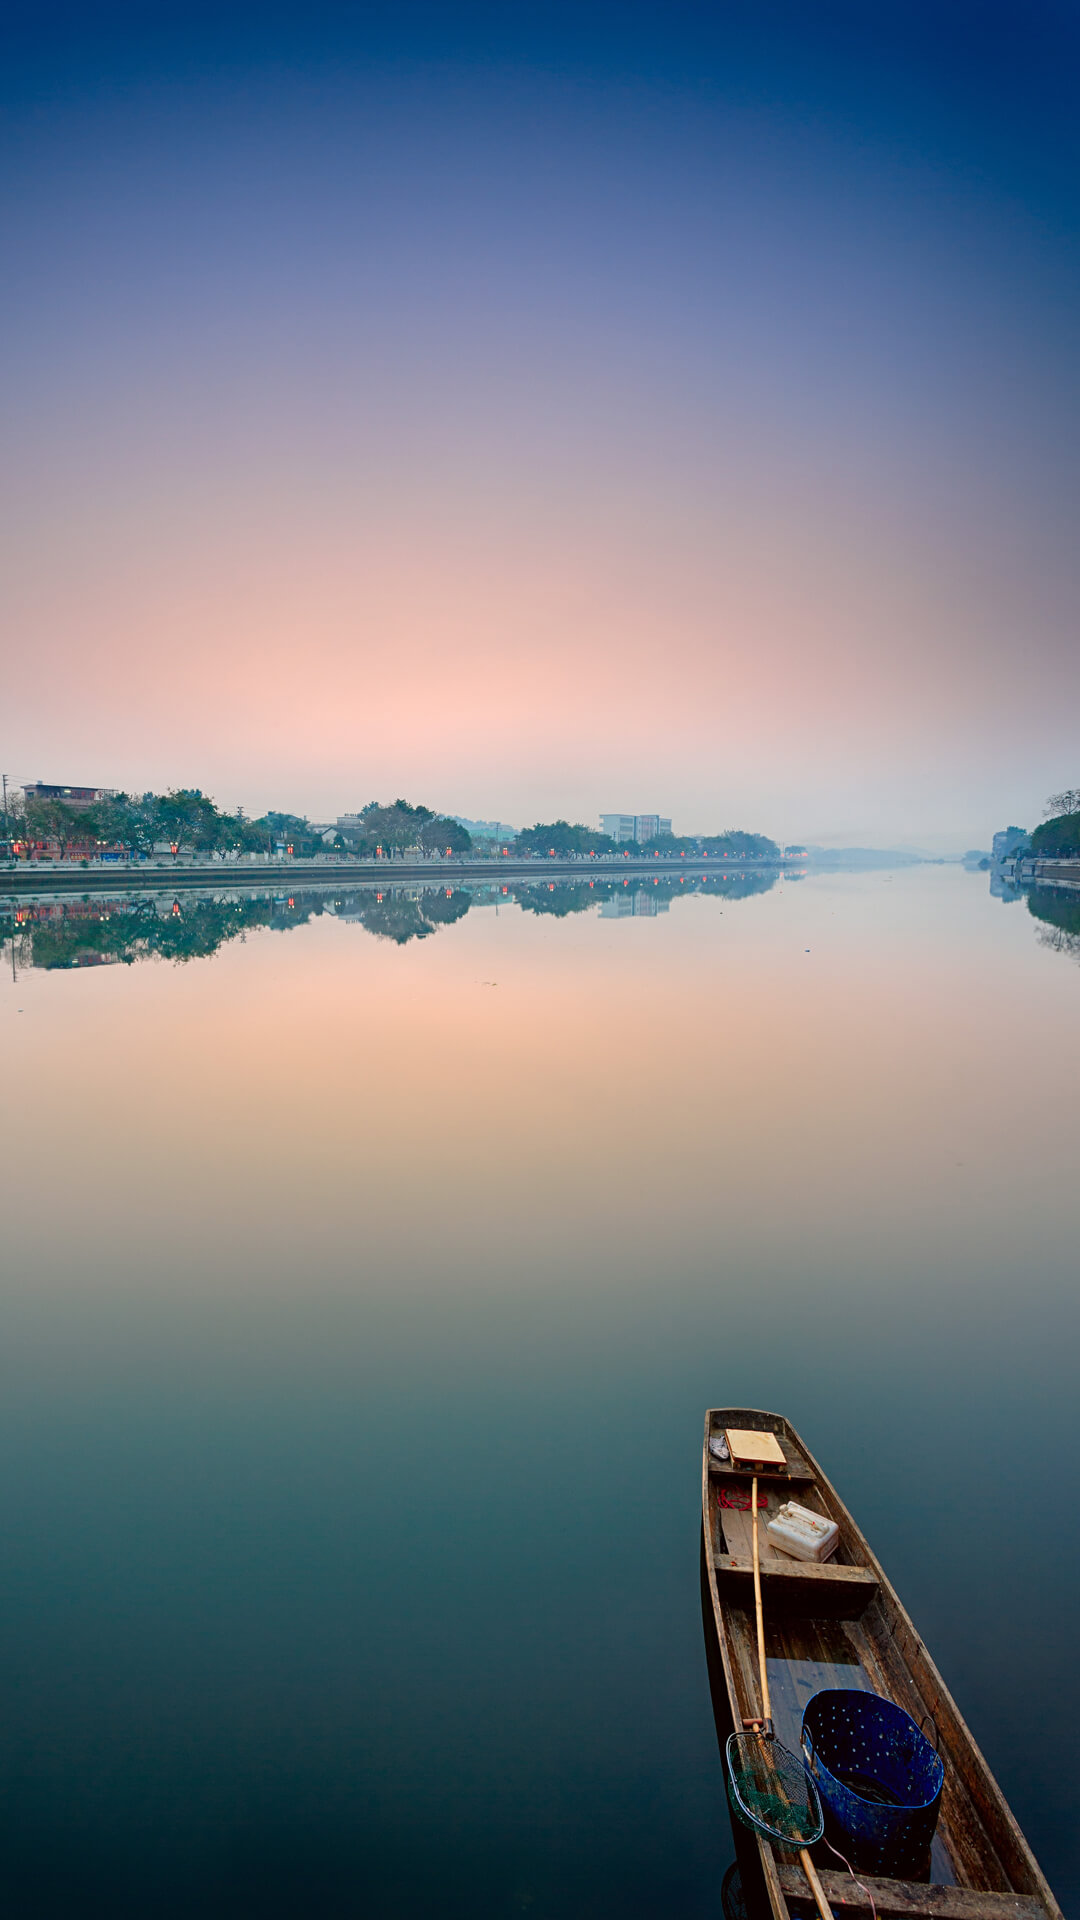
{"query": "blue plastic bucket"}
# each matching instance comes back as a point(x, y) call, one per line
point(879, 1780)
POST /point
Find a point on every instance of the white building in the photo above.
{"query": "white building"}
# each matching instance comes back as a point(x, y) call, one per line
point(633, 828)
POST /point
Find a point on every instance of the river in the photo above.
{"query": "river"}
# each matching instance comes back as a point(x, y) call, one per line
point(367, 1268)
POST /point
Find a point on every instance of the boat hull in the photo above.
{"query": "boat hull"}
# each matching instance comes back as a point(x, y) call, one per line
point(841, 1625)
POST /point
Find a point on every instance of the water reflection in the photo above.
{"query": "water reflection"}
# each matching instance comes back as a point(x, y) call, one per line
point(1058, 911)
point(358, 1321)
point(1055, 905)
point(193, 924)
point(1003, 886)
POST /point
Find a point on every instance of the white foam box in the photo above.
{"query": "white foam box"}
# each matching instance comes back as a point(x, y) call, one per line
point(805, 1535)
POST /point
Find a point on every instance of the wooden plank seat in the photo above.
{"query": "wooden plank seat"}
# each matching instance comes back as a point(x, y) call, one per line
point(829, 1586)
point(842, 1592)
point(909, 1900)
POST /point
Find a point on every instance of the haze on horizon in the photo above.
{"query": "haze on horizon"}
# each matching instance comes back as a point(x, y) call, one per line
point(652, 408)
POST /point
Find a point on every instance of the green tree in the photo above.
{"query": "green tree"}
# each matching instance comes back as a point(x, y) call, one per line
point(398, 825)
point(561, 838)
point(56, 820)
point(441, 835)
point(738, 844)
point(188, 817)
point(392, 827)
point(1057, 839)
point(292, 830)
point(671, 843)
point(129, 821)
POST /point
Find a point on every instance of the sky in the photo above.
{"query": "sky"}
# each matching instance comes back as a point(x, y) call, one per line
point(545, 410)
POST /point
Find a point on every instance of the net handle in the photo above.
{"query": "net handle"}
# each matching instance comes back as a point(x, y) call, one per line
point(816, 1887)
point(766, 1706)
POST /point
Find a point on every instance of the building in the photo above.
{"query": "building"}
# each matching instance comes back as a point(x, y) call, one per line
point(1008, 843)
point(633, 829)
point(71, 796)
point(618, 827)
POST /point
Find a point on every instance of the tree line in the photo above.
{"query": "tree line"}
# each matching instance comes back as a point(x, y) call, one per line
point(397, 827)
point(184, 818)
point(187, 820)
point(561, 838)
point(1058, 837)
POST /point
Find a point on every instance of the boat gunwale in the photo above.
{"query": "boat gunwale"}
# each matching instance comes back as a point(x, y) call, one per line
point(956, 1737)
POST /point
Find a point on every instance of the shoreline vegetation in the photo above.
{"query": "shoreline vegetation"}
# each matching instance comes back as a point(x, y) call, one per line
point(186, 824)
point(1059, 837)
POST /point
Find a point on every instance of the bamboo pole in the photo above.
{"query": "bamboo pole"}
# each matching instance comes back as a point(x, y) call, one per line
point(808, 1866)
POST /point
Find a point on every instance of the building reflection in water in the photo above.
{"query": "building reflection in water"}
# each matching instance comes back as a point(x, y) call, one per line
point(194, 924)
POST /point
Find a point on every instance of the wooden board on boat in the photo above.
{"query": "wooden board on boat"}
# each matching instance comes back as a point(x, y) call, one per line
point(840, 1624)
point(793, 1467)
point(754, 1450)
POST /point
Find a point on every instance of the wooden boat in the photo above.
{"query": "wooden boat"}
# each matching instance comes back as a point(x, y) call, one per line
point(840, 1624)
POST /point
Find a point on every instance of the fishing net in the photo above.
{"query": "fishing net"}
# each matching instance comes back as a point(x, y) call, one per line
point(771, 1790)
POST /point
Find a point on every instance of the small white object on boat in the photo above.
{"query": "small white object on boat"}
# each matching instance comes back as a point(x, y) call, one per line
point(803, 1534)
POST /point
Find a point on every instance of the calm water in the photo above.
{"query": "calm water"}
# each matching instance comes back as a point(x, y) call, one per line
point(362, 1297)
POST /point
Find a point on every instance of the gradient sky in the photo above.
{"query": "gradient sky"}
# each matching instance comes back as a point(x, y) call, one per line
point(546, 409)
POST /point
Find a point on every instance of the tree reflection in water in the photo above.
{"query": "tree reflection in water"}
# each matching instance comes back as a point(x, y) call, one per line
point(190, 925)
point(1058, 910)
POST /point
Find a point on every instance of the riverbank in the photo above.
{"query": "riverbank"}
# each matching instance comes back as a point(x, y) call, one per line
point(118, 876)
point(1028, 872)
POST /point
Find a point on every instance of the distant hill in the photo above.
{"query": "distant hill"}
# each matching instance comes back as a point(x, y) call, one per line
point(852, 858)
point(486, 829)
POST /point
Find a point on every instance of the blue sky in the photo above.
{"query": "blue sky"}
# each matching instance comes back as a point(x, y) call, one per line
point(408, 398)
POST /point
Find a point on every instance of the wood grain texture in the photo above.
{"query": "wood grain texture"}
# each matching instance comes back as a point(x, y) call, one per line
point(842, 1624)
point(800, 1585)
point(748, 1448)
point(907, 1900)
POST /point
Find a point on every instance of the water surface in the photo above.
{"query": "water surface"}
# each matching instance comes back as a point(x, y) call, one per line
point(362, 1297)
